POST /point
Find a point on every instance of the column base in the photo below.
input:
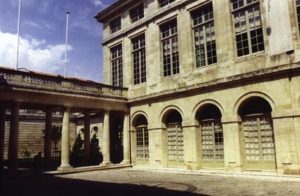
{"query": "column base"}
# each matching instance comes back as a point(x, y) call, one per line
point(105, 163)
point(64, 168)
point(125, 162)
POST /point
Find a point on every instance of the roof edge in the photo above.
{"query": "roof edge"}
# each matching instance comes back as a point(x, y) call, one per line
point(103, 15)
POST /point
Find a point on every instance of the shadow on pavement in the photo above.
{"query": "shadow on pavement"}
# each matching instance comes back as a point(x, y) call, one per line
point(46, 185)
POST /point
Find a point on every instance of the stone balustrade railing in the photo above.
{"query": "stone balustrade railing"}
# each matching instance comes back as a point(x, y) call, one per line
point(57, 83)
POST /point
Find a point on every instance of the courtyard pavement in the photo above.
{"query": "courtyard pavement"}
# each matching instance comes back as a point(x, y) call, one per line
point(140, 182)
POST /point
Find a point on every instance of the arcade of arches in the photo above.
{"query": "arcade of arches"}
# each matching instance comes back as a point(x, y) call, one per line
point(248, 137)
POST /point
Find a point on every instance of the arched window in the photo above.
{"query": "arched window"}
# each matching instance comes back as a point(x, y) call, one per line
point(209, 117)
point(142, 137)
point(173, 122)
point(257, 134)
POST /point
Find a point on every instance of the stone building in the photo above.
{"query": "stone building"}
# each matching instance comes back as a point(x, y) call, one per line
point(211, 84)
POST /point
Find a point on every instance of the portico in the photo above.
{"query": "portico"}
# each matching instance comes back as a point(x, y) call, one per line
point(22, 90)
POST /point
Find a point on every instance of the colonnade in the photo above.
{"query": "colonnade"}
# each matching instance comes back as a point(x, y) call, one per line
point(65, 139)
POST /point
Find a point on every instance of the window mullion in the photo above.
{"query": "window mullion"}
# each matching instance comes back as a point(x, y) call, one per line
point(214, 139)
point(248, 31)
point(140, 65)
point(205, 45)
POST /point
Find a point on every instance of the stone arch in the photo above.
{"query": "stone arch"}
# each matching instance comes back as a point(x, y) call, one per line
point(203, 104)
point(135, 117)
point(168, 112)
point(242, 100)
point(254, 105)
point(141, 136)
point(256, 132)
point(171, 120)
point(208, 116)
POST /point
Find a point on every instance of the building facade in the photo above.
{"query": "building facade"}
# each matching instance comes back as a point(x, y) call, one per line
point(211, 84)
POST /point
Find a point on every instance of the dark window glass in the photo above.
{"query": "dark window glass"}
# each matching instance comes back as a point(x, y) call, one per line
point(204, 35)
point(139, 59)
point(248, 26)
point(117, 66)
point(169, 41)
point(115, 25)
point(137, 13)
point(165, 2)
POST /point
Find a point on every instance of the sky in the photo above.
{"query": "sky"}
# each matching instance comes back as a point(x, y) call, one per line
point(42, 36)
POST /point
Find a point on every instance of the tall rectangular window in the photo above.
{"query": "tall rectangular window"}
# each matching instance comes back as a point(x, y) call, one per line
point(165, 2)
point(204, 33)
point(137, 13)
point(117, 66)
point(169, 40)
point(142, 142)
point(248, 26)
point(298, 12)
point(139, 59)
point(115, 24)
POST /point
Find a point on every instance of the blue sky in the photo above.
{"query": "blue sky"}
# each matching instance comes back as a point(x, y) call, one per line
point(42, 36)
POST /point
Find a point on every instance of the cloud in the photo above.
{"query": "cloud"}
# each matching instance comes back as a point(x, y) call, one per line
point(32, 24)
point(34, 54)
point(99, 3)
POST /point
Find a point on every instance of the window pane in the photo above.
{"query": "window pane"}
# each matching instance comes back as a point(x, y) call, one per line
point(165, 2)
point(212, 140)
point(170, 48)
point(298, 12)
point(137, 13)
point(204, 35)
point(142, 142)
point(139, 59)
point(117, 66)
point(115, 25)
point(248, 27)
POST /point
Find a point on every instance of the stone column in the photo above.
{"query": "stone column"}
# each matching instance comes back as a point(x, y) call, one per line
point(191, 137)
point(47, 144)
point(87, 140)
point(13, 138)
point(232, 146)
point(106, 140)
point(65, 141)
point(2, 135)
point(126, 140)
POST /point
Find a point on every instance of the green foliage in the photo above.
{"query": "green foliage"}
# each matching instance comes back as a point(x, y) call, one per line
point(77, 152)
point(96, 155)
point(56, 134)
point(26, 153)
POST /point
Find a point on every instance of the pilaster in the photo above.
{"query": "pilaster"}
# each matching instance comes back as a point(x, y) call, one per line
point(232, 147)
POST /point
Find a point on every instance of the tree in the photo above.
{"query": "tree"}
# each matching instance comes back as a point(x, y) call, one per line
point(55, 135)
point(96, 155)
point(77, 151)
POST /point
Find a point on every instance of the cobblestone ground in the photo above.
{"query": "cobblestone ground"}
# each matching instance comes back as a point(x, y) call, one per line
point(138, 182)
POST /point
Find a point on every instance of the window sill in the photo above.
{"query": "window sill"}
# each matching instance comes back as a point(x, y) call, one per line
point(249, 56)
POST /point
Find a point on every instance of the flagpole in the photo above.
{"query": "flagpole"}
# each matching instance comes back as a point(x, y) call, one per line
point(18, 35)
point(66, 43)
